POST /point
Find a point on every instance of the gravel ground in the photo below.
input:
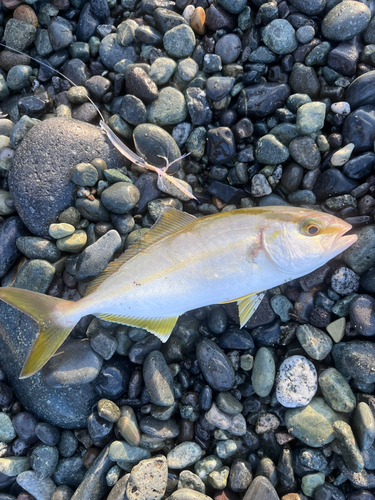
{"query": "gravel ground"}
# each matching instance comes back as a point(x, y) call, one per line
point(275, 104)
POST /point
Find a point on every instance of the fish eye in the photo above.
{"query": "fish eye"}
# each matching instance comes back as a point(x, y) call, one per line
point(310, 227)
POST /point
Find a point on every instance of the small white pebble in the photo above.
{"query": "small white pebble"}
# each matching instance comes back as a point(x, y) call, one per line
point(341, 108)
point(188, 12)
point(342, 155)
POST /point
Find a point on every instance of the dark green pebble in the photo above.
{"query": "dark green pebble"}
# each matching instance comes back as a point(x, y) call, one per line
point(350, 451)
point(363, 425)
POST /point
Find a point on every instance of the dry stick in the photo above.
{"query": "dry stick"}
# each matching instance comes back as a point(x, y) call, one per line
point(119, 145)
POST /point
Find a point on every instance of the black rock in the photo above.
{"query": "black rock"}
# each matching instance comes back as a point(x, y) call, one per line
point(359, 128)
point(50, 152)
point(140, 350)
point(113, 379)
point(221, 146)
point(133, 110)
point(76, 70)
point(267, 335)
point(362, 314)
point(100, 9)
point(24, 424)
point(218, 18)
point(344, 58)
point(166, 19)
point(64, 407)
point(10, 230)
point(361, 91)
point(198, 106)
point(333, 183)
point(100, 430)
point(74, 363)
point(218, 87)
point(234, 338)
point(215, 366)
point(262, 99)
point(360, 167)
point(87, 24)
point(36, 106)
point(60, 33)
point(368, 280)
point(147, 186)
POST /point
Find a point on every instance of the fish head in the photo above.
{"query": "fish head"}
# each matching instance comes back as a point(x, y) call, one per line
point(299, 241)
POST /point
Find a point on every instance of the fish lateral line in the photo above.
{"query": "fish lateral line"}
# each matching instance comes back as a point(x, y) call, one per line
point(116, 142)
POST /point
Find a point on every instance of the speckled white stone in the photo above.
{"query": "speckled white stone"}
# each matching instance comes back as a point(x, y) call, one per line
point(296, 382)
point(341, 108)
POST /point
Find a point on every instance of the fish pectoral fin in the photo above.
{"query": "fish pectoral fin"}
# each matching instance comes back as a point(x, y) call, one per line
point(161, 327)
point(248, 305)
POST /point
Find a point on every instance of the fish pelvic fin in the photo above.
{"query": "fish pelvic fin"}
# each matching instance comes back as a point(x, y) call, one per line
point(48, 312)
point(248, 305)
point(161, 327)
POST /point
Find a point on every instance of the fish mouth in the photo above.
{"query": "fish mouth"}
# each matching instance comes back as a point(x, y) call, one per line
point(342, 240)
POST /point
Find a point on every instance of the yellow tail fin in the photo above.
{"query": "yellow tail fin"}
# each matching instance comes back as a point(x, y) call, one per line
point(46, 311)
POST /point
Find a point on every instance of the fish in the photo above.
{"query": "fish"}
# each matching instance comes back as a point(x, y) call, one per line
point(183, 263)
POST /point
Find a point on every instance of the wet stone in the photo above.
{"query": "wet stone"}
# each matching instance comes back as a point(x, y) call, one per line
point(215, 366)
point(12, 466)
point(228, 403)
point(262, 488)
point(198, 106)
point(315, 342)
point(360, 256)
point(296, 382)
point(111, 51)
point(220, 145)
point(333, 183)
point(359, 167)
point(190, 480)
point(47, 433)
point(336, 391)
point(169, 108)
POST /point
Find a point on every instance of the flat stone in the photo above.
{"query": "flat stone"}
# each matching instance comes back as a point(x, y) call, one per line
point(121, 451)
point(262, 99)
point(349, 449)
point(359, 128)
point(359, 93)
point(360, 256)
point(41, 489)
point(315, 342)
point(42, 156)
point(12, 466)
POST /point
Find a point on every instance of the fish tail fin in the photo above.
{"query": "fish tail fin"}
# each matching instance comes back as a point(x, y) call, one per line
point(49, 313)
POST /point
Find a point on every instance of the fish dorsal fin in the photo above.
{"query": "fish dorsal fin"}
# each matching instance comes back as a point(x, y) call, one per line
point(161, 327)
point(248, 305)
point(171, 221)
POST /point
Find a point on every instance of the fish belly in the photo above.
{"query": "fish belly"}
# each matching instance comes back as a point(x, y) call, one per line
point(206, 265)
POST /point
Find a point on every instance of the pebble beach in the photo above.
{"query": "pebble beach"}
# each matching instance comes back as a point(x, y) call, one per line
point(274, 104)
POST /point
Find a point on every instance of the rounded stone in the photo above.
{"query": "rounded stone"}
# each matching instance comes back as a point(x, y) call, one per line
point(310, 117)
point(280, 37)
point(73, 243)
point(363, 425)
point(148, 479)
point(336, 391)
point(215, 366)
point(169, 108)
point(84, 174)
point(346, 20)
point(111, 51)
point(263, 374)
point(179, 41)
point(184, 455)
point(50, 151)
point(120, 198)
point(228, 47)
point(362, 314)
point(296, 382)
point(261, 488)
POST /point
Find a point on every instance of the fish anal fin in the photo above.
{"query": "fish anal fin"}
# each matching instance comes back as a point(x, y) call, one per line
point(247, 306)
point(161, 327)
point(171, 221)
